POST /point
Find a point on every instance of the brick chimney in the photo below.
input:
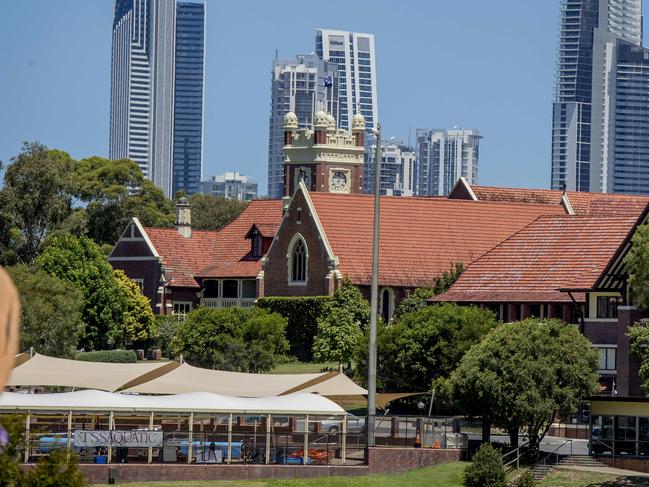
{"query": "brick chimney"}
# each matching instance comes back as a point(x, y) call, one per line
point(184, 218)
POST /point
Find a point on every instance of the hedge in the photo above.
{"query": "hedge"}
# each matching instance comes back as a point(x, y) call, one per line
point(302, 314)
point(111, 356)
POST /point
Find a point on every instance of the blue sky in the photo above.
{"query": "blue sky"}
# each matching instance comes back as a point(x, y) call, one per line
point(473, 63)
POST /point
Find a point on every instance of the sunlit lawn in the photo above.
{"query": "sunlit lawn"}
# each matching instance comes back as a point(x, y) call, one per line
point(448, 475)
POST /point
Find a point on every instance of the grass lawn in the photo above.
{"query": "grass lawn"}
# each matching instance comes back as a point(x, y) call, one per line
point(298, 367)
point(447, 475)
point(574, 478)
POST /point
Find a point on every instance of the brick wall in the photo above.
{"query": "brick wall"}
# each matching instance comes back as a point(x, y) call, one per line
point(276, 267)
point(390, 460)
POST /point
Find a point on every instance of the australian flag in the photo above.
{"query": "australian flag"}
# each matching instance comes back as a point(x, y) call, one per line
point(328, 81)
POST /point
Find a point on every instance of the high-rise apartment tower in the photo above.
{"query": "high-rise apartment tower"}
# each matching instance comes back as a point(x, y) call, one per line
point(145, 91)
point(600, 120)
point(354, 54)
point(443, 156)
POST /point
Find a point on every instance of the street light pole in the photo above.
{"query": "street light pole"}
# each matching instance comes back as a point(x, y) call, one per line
point(374, 298)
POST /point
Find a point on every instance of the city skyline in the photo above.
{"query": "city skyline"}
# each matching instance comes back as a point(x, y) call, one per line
point(424, 79)
point(600, 128)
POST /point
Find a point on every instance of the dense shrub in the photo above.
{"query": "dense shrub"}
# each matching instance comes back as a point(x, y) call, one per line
point(525, 480)
point(58, 469)
point(302, 314)
point(111, 356)
point(487, 469)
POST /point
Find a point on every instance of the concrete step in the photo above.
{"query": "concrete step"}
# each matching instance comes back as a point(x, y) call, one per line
point(540, 471)
point(580, 461)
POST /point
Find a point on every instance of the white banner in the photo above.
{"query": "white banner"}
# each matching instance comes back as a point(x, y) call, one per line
point(118, 438)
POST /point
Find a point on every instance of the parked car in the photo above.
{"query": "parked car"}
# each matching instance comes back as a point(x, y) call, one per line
point(332, 425)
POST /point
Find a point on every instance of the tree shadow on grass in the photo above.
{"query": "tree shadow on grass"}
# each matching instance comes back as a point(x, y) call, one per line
point(623, 482)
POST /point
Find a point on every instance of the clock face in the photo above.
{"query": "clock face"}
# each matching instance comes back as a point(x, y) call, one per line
point(338, 181)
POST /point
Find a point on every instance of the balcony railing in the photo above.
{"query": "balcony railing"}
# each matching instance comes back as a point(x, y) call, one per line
point(228, 302)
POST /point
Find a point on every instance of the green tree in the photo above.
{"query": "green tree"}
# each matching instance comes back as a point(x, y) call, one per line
point(524, 375)
point(419, 298)
point(639, 334)
point(637, 266)
point(210, 212)
point(79, 261)
point(36, 200)
point(244, 340)
point(340, 326)
point(12, 429)
point(138, 321)
point(164, 333)
point(51, 312)
point(428, 344)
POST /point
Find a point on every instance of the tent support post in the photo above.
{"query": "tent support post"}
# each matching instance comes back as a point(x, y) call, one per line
point(150, 452)
point(230, 439)
point(28, 420)
point(268, 419)
point(306, 439)
point(111, 426)
point(343, 453)
point(69, 445)
point(191, 437)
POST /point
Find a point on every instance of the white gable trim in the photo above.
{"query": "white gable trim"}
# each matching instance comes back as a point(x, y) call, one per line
point(146, 238)
point(316, 219)
point(463, 182)
point(565, 201)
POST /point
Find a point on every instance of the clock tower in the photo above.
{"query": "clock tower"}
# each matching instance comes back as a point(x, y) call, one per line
point(327, 158)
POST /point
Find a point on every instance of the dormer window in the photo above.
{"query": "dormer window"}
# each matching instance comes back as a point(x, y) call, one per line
point(257, 244)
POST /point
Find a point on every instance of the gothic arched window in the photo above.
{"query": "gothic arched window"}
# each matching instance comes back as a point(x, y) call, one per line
point(298, 260)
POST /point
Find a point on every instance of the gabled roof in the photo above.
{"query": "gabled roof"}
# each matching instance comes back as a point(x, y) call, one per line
point(264, 229)
point(595, 204)
point(184, 256)
point(420, 237)
point(551, 253)
point(231, 256)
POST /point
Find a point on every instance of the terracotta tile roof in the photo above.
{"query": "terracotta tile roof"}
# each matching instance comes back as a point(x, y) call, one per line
point(231, 257)
point(184, 256)
point(596, 204)
point(420, 237)
point(551, 253)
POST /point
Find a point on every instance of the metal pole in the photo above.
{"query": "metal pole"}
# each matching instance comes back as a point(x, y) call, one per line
point(191, 437)
point(374, 298)
point(268, 426)
point(306, 440)
point(230, 439)
point(150, 452)
point(69, 443)
point(27, 438)
point(111, 426)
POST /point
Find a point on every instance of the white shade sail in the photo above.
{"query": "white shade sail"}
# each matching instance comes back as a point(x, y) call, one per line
point(196, 402)
point(41, 370)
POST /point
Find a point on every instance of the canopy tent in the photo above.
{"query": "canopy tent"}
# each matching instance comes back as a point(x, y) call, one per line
point(174, 378)
point(188, 378)
point(196, 402)
point(41, 370)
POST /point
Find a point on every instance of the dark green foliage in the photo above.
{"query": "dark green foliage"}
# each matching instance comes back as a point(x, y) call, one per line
point(58, 469)
point(51, 312)
point(10, 473)
point(524, 374)
point(637, 266)
point(211, 212)
point(427, 344)
point(36, 200)
point(243, 340)
point(80, 262)
point(419, 298)
point(110, 356)
point(302, 314)
point(486, 470)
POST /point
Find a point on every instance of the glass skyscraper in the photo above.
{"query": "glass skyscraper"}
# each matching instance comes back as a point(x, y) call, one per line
point(355, 56)
point(597, 124)
point(443, 156)
point(144, 91)
point(188, 103)
point(303, 86)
